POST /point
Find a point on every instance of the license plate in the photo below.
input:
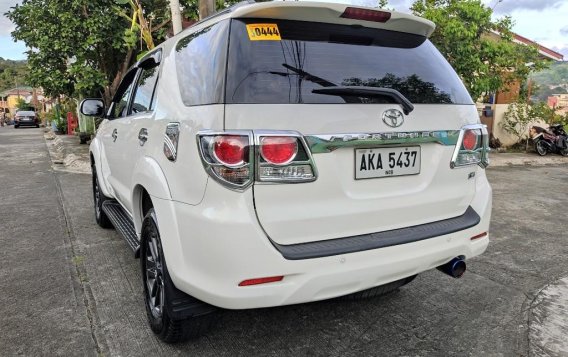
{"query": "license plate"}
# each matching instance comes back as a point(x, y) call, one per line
point(386, 162)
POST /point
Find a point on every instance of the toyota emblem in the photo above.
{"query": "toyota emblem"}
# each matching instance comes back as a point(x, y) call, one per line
point(393, 118)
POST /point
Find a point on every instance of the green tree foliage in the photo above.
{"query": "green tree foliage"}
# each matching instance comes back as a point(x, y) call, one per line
point(84, 47)
point(12, 74)
point(463, 35)
point(522, 114)
point(76, 46)
point(21, 104)
point(553, 80)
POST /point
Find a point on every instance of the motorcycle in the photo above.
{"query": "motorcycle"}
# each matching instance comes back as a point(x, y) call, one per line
point(554, 140)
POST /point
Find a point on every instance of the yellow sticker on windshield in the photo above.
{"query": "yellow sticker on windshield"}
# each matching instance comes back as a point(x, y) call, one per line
point(263, 32)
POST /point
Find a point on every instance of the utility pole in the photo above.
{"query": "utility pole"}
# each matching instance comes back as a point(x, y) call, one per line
point(176, 16)
point(206, 8)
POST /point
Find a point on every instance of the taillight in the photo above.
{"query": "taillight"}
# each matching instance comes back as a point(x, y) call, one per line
point(284, 158)
point(230, 150)
point(366, 14)
point(227, 157)
point(472, 147)
point(278, 150)
point(470, 140)
point(276, 156)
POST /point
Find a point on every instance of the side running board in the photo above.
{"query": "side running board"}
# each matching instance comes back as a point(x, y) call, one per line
point(123, 224)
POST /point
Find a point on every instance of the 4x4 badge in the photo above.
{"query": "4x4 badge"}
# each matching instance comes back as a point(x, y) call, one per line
point(393, 118)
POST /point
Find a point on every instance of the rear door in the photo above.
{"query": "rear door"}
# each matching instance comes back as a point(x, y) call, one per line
point(378, 169)
point(135, 128)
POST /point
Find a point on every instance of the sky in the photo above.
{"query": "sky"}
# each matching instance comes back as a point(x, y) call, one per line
point(543, 21)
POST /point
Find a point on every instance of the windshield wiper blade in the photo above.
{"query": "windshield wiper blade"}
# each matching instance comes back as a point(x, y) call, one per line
point(310, 77)
point(406, 105)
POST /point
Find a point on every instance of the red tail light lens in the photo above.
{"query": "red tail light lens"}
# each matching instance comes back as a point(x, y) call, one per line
point(258, 281)
point(278, 150)
point(366, 15)
point(469, 140)
point(230, 150)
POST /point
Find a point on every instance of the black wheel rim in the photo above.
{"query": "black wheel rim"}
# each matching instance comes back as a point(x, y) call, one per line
point(154, 274)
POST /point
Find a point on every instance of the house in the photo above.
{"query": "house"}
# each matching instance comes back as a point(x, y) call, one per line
point(559, 102)
point(493, 110)
point(33, 96)
point(9, 99)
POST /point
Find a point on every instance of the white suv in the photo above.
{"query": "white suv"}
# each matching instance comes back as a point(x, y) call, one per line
point(287, 152)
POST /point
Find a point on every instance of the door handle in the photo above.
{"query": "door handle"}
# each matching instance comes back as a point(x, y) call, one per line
point(143, 136)
point(114, 135)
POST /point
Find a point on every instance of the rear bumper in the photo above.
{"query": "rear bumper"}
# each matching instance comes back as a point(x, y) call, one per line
point(26, 123)
point(211, 247)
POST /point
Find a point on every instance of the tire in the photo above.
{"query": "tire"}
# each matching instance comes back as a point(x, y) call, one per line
point(160, 294)
point(378, 290)
point(98, 199)
point(564, 152)
point(540, 148)
point(16, 126)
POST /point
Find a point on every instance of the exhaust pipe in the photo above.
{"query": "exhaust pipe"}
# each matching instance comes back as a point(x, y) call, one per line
point(454, 268)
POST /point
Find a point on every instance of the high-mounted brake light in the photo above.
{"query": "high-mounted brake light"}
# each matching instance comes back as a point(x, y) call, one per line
point(366, 14)
point(279, 150)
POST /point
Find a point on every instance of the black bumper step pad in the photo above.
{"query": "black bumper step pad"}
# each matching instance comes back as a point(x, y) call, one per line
point(123, 224)
point(364, 242)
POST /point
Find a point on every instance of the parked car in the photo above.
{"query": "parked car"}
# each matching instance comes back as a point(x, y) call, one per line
point(287, 152)
point(26, 118)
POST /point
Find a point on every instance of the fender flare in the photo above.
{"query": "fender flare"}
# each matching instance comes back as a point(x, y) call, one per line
point(147, 175)
point(95, 152)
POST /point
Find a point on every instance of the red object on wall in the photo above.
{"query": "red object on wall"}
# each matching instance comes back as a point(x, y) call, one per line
point(72, 123)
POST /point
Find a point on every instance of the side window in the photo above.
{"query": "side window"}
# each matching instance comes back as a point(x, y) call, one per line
point(143, 97)
point(120, 101)
point(200, 63)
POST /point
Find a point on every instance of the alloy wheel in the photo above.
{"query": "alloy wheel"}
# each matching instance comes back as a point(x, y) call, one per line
point(154, 275)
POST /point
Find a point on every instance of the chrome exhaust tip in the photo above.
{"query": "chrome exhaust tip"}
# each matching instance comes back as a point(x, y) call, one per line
point(454, 268)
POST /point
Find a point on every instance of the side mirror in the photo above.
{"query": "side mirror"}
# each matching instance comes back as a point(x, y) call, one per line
point(92, 107)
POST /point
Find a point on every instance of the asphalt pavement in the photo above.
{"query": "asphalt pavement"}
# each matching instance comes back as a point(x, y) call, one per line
point(69, 287)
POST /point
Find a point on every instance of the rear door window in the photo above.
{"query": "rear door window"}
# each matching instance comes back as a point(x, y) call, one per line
point(309, 56)
point(200, 62)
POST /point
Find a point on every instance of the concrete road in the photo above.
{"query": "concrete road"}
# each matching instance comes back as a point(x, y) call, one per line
point(71, 288)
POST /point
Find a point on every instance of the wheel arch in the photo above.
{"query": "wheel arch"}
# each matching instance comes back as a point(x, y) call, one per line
point(149, 181)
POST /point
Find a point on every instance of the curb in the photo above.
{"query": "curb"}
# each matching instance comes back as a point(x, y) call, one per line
point(61, 158)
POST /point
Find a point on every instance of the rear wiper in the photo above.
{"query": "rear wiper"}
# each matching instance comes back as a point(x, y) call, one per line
point(406, 105)
point(310, 77)
point(315, 79)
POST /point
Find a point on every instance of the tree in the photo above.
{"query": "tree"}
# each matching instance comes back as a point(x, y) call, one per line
point(463, 36)
point(21, 104)
point(76, 47)
point(522, 114)
point(83, 47)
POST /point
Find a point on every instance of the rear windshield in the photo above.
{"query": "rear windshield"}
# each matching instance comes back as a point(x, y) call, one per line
point(311, 56)
point(25, 113)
